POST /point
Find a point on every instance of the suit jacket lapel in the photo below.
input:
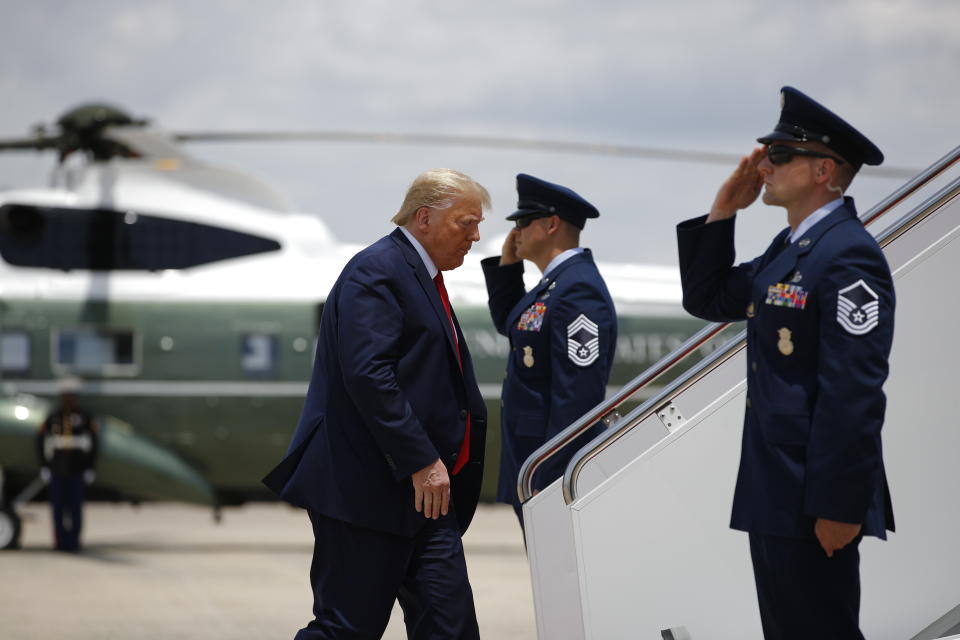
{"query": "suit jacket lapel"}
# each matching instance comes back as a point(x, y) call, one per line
point(780, 257)
point(429, 287)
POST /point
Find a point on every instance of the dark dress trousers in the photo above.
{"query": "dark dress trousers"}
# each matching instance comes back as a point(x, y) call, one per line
point(819, 314)
point(387, 398)
point(563, 334)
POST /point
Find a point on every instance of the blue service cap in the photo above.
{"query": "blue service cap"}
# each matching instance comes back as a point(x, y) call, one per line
point(539, 197)
point(803, 119)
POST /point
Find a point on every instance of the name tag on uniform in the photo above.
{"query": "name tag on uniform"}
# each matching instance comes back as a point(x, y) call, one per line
point(792, 296)
point(532, 318)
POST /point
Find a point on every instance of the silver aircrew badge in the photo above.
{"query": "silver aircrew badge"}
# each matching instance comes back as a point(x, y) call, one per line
point(528, 356)
point(804, 242)
point(784, 343)
point(796, 277)
point(750, 310)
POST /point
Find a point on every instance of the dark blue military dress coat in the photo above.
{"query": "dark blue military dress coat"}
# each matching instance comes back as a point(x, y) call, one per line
point(819, 317)
point(387, 397)
point(562, 334)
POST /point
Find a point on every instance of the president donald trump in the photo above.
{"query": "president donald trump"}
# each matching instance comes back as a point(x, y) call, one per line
point(388, 454)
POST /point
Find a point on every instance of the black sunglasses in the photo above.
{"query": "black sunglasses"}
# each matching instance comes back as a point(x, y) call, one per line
point(526, 220)
point(782, 154)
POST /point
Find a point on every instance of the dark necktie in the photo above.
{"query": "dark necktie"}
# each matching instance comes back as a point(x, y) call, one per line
point(464, 454)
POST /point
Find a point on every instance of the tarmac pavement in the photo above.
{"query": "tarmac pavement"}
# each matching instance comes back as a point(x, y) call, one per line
point(167, 571)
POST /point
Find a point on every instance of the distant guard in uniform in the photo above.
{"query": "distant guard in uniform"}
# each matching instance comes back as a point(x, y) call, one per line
point(819, 306)
point(562, 332)
point(67, 446)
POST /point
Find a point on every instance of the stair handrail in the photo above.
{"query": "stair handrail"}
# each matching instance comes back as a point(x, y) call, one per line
point(606, 409)
point(738, 342)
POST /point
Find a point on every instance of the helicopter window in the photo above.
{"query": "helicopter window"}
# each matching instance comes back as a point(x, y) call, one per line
point(104, 239)
point(258, 353)
point(95, 351)
point(14, 351)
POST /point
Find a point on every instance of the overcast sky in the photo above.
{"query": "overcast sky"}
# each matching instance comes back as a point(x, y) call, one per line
point(681, 74)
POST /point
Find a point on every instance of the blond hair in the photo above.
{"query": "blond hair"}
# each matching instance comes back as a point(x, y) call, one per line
point(438, 189)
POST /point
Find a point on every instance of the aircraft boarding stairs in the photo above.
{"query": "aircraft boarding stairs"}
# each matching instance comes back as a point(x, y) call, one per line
point(633, 542)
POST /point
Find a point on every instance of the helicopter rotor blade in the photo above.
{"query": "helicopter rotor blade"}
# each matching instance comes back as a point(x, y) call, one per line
point(495, 142)
point(42, 143)
point(147, 142)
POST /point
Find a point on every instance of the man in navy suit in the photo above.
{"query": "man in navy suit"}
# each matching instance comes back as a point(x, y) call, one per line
point(819, 305)
point(562, 332)
point(388, 455)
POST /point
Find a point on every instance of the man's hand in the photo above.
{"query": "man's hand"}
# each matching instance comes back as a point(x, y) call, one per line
point(509, 253)
point(431, 490)
point(834, 535)
point(741, 188)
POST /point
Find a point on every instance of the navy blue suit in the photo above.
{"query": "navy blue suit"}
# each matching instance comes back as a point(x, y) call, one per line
point(563, 334)
point(387, 398)
point(819, 317)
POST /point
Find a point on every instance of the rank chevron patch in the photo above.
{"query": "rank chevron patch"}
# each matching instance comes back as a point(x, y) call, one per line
point(583, 341)
point(858, 308)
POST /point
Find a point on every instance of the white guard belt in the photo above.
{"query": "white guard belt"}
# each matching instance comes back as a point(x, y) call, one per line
point(82, 442)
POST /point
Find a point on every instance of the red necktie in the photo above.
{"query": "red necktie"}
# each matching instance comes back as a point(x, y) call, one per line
point(464, 454)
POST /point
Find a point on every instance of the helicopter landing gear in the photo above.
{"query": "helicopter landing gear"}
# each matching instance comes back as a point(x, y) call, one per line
point(9, 522)
point(9, 528)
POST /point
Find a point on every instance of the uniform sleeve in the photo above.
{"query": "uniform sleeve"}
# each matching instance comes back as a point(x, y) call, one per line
point(505, 288)
point(856, 332)
point(583, 329)
point(370, 327)
point(713, 289)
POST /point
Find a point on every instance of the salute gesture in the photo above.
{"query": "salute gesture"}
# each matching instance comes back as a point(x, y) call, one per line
point(811, 481)
point(741, 188)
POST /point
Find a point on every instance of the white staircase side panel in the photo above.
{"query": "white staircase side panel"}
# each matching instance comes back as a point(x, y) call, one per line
point(649, 529)
point(553, 567)
point(653, 543)
point(550, 541)
point(693, 403)
point(914, 577)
